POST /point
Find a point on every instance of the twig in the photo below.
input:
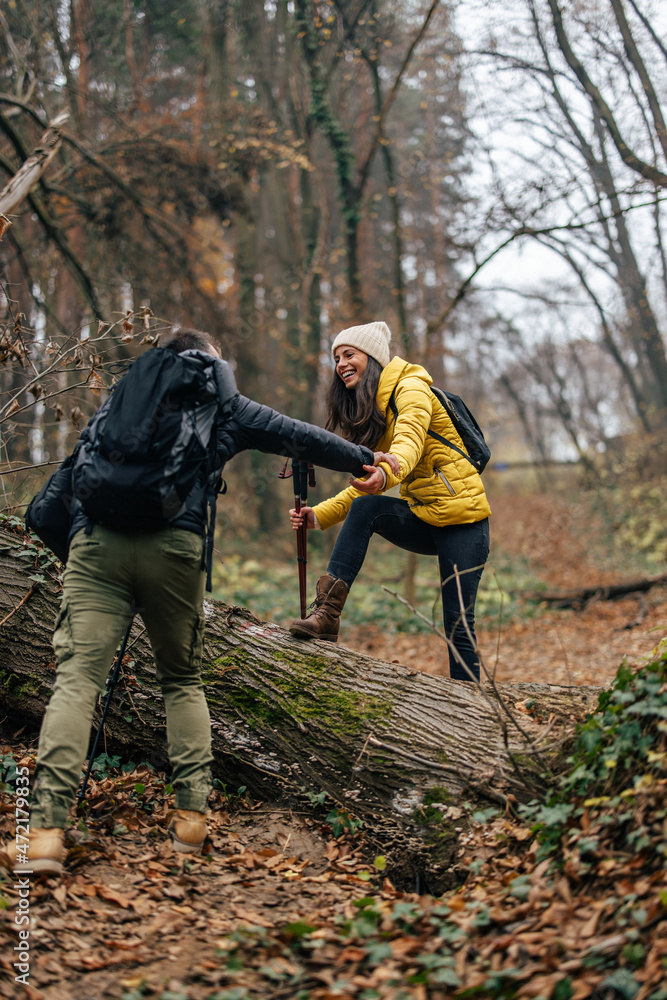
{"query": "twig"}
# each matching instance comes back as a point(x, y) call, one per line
point(27, 468)
point(546, 732)
point(551, 746)
point(129, 693)
point(21, 602)
point(43, 399)
point(354, 766)
point(438, 321)
point(363, 751)
point(464, 620)
point(136, 638)
point(500, 625)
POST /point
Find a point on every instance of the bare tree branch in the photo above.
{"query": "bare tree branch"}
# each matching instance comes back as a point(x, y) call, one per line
point(29, 174)
point(649, 27)
point(631, 159)
point(15, 102)
point(533, 231)
point(640, 68)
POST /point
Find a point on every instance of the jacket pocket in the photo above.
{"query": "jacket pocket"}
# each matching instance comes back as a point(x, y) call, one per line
point(446, 481)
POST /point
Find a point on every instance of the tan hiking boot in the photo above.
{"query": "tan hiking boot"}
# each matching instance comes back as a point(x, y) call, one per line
point(323, 622)
point(187, 829)
point(44, 856)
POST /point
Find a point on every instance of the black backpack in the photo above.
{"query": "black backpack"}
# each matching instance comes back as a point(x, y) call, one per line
point(49, 513)
point(154, 440)
point(477, 450)
point(148, 452)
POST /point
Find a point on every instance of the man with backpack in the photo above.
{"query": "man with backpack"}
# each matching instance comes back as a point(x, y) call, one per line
point(143, 477)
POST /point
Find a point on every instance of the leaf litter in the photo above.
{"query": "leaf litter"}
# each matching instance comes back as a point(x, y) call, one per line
point(279, 908)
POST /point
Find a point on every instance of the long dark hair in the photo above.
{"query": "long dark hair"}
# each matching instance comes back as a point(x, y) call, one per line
point(354, 411)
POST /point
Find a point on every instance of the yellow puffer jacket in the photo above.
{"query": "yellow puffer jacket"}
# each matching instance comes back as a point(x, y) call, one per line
point(440, 486)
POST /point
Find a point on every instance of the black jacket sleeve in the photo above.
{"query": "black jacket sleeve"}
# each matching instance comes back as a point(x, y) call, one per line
point(265, 429)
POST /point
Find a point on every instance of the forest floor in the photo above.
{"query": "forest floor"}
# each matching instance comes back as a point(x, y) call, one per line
point(281, 908)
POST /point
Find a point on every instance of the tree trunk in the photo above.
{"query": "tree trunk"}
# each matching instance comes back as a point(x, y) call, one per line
point(292, 717)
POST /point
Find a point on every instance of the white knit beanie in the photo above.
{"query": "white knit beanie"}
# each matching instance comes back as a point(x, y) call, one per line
point(371, 338)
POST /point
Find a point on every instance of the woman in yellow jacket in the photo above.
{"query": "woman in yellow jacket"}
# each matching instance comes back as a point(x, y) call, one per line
point(386, 404)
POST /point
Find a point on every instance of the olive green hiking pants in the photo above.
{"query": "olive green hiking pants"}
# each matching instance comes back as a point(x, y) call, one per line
point(110, 576)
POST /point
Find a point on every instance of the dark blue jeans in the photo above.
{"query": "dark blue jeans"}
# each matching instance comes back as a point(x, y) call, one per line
point(464, 546)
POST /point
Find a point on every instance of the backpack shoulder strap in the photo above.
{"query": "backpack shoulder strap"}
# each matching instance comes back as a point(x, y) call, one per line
point(392, 404)
point(438, 395)
point(441, 396)
point(449, 444)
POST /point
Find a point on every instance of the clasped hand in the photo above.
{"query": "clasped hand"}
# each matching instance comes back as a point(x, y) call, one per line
point(373, 483)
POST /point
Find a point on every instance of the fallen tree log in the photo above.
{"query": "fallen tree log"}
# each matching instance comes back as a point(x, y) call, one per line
point(579, 597)
point(21, 184)
point(291, 718)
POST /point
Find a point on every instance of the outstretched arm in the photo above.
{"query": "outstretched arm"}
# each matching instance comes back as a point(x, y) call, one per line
point(267, 430)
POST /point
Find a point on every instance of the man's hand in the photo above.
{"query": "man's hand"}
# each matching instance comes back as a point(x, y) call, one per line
point(376, 479)
point(296, 517)
point(373, 483)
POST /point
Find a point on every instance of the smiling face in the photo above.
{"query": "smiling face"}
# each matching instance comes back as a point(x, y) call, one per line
point(350, 365)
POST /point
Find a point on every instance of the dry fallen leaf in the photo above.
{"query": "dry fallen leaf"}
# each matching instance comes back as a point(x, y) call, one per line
point(113, 896)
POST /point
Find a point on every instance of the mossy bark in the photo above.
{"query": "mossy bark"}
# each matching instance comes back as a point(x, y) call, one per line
point(289, 716)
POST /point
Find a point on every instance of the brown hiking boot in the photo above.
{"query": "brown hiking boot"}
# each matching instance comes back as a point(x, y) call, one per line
point(44, 856)
point(187, 829)
point(323, 622)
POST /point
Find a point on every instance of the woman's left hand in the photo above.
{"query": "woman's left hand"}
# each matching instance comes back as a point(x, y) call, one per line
point(391, 460)
point(373, 483)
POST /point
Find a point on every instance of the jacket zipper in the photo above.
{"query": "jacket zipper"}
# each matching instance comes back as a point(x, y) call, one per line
point(445, 481)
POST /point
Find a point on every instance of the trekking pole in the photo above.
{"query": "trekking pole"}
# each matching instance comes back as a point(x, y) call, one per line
point(303, 474)
point(300, 474)
point(307, 479)
point(112, 685)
